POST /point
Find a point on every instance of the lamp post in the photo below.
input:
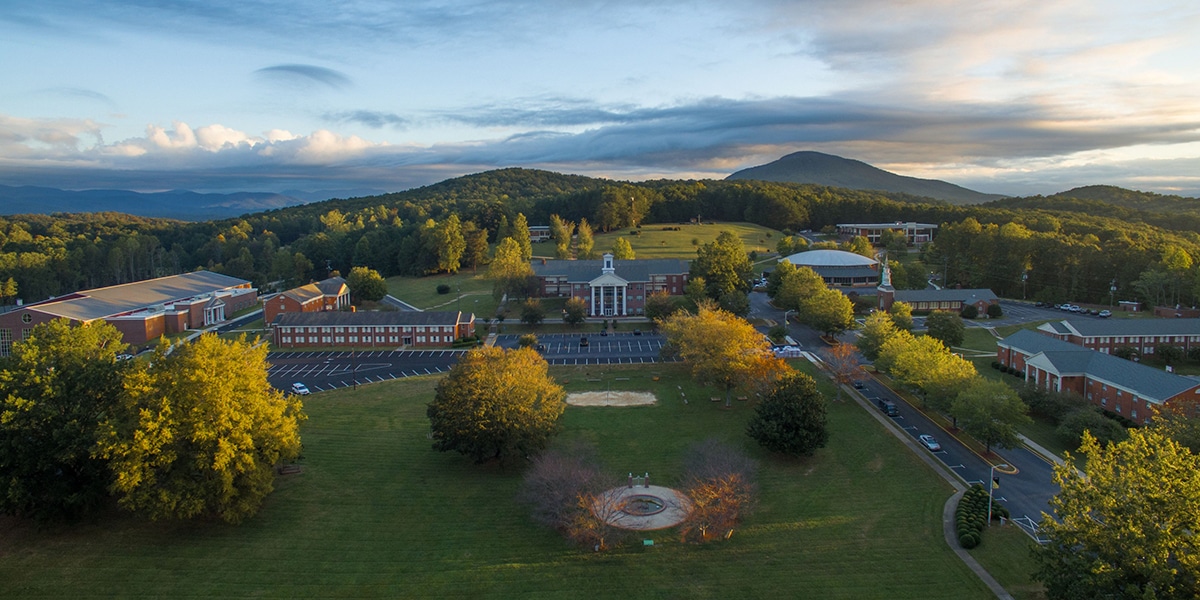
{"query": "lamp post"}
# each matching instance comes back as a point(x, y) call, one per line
point(1112, 290)
point(785, 316)
point(992, 486)
point(1024, 280)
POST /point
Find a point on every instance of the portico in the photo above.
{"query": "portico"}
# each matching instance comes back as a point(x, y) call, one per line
point(609, 292)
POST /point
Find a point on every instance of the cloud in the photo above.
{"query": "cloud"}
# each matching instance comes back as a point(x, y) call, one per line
point(370, 118)
point(304, 74)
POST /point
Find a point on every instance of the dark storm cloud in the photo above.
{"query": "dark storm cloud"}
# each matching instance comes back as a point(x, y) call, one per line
point(308, 73)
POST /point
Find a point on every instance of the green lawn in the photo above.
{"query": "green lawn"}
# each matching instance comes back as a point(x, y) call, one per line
point(653, 242)
point(377, 513)
point(421, 292)
point(1006, 552)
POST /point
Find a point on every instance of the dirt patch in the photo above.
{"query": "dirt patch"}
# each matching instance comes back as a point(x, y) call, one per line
point(611, 399)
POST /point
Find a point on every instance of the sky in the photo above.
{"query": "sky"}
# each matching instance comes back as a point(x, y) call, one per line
point(1012, 97)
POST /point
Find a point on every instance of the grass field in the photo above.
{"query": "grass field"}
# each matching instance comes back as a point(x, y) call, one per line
point(653, 242)
point(1006, 552)
point(377, 513)
point(421, 292)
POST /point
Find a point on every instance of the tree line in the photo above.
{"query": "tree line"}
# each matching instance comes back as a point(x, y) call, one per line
point(1018, 250)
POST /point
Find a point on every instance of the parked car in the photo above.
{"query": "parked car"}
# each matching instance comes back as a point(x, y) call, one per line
point(583, 342)
point(929, 442)
point(603, 333)
point(1104, 314)
point(541, 347)
point(858, 385)
point(637, 332)
point(889, 408)
point(300, 388)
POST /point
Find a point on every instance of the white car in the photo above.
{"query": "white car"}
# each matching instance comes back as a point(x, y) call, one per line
point(929, 442)
point(300, 388)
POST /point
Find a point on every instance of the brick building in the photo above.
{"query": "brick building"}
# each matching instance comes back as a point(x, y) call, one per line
point(367, 329)
point(1124, 387)
point(141, 311)
point(944, 299)
point(329, 294)
point(916, 233)
point(612, 288)
point(1106, 335)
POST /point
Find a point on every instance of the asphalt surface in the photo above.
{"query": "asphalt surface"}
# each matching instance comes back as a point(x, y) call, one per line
point(323, 371)
point(1026, 493)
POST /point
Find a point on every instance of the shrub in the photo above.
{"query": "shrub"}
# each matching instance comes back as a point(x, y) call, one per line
point(443, 288)
point(968, 540)
point(994, 311)
point(969, 311)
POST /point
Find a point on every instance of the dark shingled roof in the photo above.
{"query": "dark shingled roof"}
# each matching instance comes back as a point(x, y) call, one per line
point(338, 318)
point(326, 287)
point(1070, 359)
point(1124, 327)
point(581, 271)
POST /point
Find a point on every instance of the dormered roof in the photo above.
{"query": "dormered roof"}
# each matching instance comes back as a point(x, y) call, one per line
point(1067, 359)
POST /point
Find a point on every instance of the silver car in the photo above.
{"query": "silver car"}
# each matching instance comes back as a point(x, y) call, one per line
point(929, 442)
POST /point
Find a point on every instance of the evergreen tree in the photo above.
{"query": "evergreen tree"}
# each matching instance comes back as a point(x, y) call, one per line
point(792, 418)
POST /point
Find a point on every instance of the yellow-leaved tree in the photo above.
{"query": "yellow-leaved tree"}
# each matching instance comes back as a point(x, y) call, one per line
point(200, 431)
point(496, 404)
point(721, 348)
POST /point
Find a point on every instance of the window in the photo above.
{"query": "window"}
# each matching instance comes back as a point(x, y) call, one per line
point(1104, 402)
point(312, 339)
point(1133, 413)
point(26, 318)
point(354, 339)
point(325, 339)
point(287, 340)
point(341, 339)
point(1118, 407)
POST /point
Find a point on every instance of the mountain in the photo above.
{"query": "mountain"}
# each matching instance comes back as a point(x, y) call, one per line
point(176, 204)
point(835, 171)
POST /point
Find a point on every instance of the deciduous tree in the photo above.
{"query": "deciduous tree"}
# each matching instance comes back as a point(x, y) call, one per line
point(366, 284)
point(828, 311)
point(200, 431)
point(659, 305)
point(584, 242)
point(901, 313)
point(721, 348)
point(946, 327)
point(719, 481)
point(877, 329)
point(990, 411)
point(724, 265)
point(476, 251)
point(792, 418)
point(1126, 526)
point(925, 364)
point(54, 390)
point(622, 250)
point(509, 272)
point(520, 234)
point(842, 361)
point(532, 312)
point(496, 404)
point(796, 286)
point(561, 232)
point(575, 311)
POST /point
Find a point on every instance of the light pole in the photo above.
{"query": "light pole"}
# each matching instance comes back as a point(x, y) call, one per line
point(1024, 280)
point(992, 486)
point(785, 316)
point(1112, 290)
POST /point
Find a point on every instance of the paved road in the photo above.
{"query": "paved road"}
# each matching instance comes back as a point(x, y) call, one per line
point(1026, 493)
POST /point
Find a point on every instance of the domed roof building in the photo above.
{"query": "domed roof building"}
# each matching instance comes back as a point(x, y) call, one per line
point(839, 268)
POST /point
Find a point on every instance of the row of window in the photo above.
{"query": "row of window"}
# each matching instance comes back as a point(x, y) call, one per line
point(1148, 339)
point(379, 329)
point(366, 339)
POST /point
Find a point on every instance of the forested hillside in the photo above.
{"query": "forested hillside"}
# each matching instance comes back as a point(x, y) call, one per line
point(1017, 249)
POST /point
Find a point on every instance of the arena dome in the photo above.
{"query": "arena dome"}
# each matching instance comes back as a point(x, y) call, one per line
point(839, 268)
point(830, 258)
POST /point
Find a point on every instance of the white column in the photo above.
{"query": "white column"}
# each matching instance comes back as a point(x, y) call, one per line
point(624, 301)
point(592, 307)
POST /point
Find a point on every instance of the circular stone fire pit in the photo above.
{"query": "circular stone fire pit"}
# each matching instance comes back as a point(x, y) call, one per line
point(642, 508)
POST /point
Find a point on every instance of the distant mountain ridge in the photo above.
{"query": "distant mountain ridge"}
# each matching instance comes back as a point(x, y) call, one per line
point(826, 169)
point(175, 204)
